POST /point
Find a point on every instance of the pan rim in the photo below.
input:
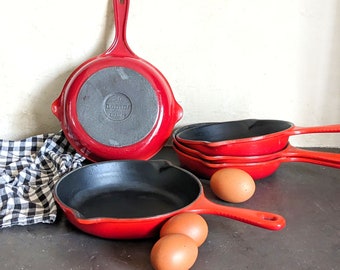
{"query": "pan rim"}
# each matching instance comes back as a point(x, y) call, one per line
point(208, 143)
point(92, 220)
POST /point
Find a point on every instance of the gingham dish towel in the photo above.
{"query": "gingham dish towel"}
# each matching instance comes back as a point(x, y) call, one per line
point(29, 169)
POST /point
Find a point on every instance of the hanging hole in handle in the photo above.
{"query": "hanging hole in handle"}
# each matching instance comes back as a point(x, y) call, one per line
point(269, 217)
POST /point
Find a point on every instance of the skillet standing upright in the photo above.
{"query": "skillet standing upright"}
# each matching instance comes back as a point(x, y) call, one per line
point(117, 105)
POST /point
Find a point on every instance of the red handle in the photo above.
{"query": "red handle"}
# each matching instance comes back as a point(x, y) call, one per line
point(329, 163)
point(292, 151)
point(119, 45)
point(318, 129)
point(261, 219)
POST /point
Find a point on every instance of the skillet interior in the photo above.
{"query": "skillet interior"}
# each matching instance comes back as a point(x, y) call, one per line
point(233, 130)
point(127, 189)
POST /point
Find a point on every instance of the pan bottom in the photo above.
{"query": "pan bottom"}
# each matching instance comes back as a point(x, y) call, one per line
point(117, 106)
point(126, 204)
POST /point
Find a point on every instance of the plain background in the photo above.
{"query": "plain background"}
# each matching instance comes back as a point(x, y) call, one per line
point(224, 59)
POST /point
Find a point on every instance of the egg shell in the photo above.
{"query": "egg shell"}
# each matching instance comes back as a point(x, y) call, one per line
point(232, 185)
point(174, 251)
point(190, 224)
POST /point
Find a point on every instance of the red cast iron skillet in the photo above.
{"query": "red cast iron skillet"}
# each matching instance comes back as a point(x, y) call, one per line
point(257, 170)
point(288, 151)
point(117, 105)
point(245, 137)
point(131, 199)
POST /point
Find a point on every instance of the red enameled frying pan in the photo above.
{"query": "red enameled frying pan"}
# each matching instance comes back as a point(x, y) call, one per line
point(288, 151)
point(245, 137)
point(133, 198)
point(257, 170)
point(117, 105)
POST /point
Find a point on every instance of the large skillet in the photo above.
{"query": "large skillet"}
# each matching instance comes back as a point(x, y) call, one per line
point(133, 198)
point(245, 137)
point(117, 105)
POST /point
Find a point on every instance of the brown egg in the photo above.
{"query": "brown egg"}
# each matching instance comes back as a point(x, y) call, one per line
point(232, 185)
point(174, 251)
point(190, 224)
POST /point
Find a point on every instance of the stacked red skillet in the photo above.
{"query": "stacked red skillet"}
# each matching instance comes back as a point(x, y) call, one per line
point(255, 146)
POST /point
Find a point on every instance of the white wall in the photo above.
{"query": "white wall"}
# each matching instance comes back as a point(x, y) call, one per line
point(225, 59)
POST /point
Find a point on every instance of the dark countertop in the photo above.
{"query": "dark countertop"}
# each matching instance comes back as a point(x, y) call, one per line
point(306, 195)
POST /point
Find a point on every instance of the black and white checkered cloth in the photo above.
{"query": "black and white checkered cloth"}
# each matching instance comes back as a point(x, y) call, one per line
point(29, 169)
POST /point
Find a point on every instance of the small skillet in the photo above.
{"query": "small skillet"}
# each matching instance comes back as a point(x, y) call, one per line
point(247, 137)
point(117, 105)
point(257, 170)
point(288, 151)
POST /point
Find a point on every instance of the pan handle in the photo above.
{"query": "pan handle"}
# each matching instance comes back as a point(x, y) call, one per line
point(296, 130)
point(119, 46)
point(330, 163)
point(261, 219)
point(292, 151)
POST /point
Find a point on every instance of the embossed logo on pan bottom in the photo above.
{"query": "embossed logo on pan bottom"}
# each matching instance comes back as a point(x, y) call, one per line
point(117, 107)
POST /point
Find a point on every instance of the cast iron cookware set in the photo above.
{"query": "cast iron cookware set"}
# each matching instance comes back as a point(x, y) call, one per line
point(117, 110)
